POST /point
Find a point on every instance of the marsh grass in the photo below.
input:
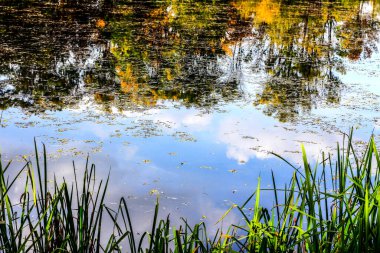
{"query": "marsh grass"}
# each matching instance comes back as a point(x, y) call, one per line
point(332, 206)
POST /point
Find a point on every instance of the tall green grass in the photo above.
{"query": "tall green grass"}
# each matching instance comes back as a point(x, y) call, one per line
point(331, 206)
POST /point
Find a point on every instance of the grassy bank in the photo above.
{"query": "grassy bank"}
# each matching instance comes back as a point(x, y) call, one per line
point(332, 206)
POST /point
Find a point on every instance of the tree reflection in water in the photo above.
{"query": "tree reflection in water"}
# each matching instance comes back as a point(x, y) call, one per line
point(135, 54)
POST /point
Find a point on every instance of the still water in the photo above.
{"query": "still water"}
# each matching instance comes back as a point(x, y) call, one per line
point(185, 100)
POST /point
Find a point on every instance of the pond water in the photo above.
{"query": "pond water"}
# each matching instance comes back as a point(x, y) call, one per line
point(185, 100)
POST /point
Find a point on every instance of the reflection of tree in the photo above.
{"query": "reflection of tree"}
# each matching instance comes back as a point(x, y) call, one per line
point(302, 45)
point(359, 33)
point(158, 51)
point(169, 51)
point(45, 55)
point(137, 53)
point(285, 99)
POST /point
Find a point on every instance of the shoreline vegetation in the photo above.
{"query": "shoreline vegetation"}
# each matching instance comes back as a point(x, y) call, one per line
point(331, 206)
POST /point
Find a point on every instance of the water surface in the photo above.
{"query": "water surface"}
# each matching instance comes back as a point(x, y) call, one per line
point(185, 100)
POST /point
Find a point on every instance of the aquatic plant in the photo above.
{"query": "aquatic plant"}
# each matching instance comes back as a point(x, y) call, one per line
point(68, 217)
point(332, 206)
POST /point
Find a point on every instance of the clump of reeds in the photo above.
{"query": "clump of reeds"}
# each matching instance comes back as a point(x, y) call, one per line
point(329, 207)
point(68, 217)
point(332, 206)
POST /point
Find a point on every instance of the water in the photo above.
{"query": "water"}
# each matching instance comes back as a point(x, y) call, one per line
point(185, 100)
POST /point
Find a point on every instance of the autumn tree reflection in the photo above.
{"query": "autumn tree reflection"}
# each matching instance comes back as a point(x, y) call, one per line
point(168, 51)
point(302, 45)
point(138, 54)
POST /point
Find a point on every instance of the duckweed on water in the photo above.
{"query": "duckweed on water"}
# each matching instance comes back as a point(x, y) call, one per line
point(332, 206)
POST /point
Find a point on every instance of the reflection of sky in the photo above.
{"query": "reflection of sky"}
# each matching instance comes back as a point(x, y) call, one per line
point(200, 162)
point(193, 175)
